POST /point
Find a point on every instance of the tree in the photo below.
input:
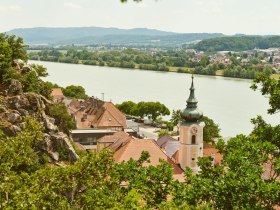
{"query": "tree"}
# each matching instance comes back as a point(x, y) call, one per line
point(62, 118)
point(176, 116)
point(271, 88)
point(152, 109)
point(74, 91)
point(211, 129)
point(128, 107)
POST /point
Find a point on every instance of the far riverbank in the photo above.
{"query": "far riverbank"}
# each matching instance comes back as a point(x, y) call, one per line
point(170, 69)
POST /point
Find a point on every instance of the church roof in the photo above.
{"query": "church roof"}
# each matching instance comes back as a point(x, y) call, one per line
point(191, 113)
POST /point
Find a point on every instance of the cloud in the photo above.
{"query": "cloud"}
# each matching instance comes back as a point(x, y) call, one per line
point(72, 5)
point(10, 8)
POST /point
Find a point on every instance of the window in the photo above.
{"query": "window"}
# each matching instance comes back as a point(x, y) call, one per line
point(193, 139)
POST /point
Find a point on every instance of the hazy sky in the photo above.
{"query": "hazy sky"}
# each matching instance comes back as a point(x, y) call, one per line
point(225, 16)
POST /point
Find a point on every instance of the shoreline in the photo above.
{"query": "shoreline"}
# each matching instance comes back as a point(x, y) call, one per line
point(276, 76)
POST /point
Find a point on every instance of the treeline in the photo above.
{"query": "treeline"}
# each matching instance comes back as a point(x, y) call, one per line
point(179, 61)
point(128, 58)
point(236, 43)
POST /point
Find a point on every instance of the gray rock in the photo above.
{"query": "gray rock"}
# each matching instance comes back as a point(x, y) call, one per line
point(13, 117)
point(72, 155)
point(26, 69)
point(16, 64)
point(61, 140)
point(49, 122)
point(23, 112)
point(46, 143)
point(22, 125)
point(16, 128)
point(54, 155)
point(15, 88)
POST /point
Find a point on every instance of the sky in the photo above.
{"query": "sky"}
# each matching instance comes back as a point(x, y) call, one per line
point(183, 16)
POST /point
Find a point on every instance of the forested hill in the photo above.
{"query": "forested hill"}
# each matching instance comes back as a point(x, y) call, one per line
point(238, 43)
point(99, 35)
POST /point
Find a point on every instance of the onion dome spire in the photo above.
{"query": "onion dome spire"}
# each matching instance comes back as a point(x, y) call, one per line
point(191, 113)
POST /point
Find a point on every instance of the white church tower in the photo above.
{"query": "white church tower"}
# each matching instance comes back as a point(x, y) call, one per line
point(191, 134)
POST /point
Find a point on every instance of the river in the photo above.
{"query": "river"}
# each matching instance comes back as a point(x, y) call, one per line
point(228, 101)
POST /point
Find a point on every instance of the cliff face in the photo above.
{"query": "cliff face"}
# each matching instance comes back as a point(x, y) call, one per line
point(15, 105)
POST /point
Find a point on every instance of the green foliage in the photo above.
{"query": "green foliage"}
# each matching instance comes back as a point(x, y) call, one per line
point(141, 109)
point(163, 132)
point(74, 91)
point(93, 179)
point(238, 183)
point(62, 118)
point(238, 43)
point(176, 116)
point(128, 107)
point(211, 129)
point(11, 48)
point(18, 154)
point(183, 61)
point(269, 87)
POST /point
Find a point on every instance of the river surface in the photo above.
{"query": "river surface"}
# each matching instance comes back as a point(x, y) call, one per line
point(228, 101)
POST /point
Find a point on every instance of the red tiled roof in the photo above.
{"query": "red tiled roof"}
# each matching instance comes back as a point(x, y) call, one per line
point(57, 92)
point(117, 140)
point(134, 148)
point(93, 113)
point(210, 151)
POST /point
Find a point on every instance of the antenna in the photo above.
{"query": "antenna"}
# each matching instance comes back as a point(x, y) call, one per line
point(102, 96)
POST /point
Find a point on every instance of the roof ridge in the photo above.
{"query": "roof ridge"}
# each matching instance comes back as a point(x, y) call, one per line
point(125, 148)
point(165, 153)
point(112, 114)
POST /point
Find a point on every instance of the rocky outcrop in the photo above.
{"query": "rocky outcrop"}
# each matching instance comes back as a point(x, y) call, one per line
point(15, 88)
point(17, 104)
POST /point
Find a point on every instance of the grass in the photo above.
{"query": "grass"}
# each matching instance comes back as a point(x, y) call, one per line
point(220, 73)
point(275, 76)
point(185, 69)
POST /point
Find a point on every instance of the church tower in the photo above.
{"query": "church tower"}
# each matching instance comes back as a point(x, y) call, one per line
point(191, 134)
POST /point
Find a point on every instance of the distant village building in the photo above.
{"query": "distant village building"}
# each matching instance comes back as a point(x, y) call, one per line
point(276, 61)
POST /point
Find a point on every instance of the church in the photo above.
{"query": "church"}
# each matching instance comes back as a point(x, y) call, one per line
point(179, 153)
point(191, 133)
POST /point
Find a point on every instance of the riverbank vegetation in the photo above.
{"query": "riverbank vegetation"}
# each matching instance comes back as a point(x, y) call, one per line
point(237, 65)
point(238, 43)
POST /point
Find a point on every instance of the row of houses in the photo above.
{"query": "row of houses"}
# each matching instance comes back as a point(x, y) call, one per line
point(100, 125)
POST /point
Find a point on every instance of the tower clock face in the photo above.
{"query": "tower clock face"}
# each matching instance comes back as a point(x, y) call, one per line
point(194, 130)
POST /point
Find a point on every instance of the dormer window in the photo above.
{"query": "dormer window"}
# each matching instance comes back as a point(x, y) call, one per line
point(193, 139)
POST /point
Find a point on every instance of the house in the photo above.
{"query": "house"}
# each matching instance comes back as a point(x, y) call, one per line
point(114, 141)
point(94, 119)
point(126, 147)
point(94, 113)
point(57, 95)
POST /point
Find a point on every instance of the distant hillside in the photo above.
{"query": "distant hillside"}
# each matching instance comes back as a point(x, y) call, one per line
point(238, 43)
point(99, 35)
